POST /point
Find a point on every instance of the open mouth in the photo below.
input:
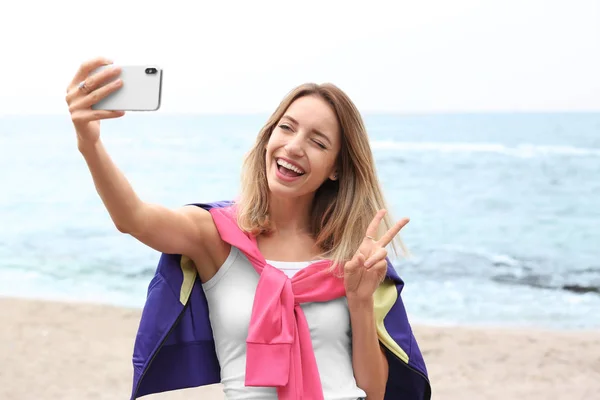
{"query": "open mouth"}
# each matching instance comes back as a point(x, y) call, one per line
point(288, 169)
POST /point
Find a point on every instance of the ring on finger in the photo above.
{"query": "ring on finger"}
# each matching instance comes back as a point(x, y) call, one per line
point(82, 86)
point(370, 237)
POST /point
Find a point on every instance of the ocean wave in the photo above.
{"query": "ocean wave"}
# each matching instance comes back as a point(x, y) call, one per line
point(458, 261)
point(522, 150)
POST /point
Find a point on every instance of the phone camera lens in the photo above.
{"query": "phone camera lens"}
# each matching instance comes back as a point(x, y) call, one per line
point(150, 70)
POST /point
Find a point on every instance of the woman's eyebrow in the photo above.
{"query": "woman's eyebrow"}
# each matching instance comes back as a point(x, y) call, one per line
point(315, 131)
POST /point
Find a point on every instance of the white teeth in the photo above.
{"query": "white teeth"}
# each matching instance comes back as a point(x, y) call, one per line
point(289, 166)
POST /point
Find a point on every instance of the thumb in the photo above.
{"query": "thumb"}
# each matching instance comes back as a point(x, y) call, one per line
point(360, 259)
point(355, 262)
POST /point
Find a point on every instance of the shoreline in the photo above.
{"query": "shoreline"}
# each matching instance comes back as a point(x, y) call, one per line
point(422, 322)
point(60, 349)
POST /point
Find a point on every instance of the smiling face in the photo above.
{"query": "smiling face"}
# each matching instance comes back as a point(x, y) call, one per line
point(304, 130)
point(303, 148)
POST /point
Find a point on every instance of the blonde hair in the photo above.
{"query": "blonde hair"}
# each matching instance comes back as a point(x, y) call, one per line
point(342, 209)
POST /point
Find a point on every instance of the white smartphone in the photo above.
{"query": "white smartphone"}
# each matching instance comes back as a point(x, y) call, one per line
point(141, 90)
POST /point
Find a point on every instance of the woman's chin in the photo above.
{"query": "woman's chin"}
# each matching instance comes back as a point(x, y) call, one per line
point(285, 190)
point(281, 190)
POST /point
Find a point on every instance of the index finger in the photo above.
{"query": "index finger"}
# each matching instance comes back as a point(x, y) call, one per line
point(374, 225)
point(389, 235)
point(87, 67)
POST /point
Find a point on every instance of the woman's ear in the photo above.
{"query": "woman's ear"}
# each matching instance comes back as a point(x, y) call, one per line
point(334, 176)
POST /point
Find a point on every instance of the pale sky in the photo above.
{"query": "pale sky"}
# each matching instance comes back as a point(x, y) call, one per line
point(244, 56)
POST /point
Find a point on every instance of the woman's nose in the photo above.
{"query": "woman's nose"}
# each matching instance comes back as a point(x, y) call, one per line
point(295, 146)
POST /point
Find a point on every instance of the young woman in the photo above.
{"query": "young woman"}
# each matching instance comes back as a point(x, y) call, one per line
point(281, 293)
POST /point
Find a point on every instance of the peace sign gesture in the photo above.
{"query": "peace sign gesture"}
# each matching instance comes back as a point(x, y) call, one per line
point(366, 270)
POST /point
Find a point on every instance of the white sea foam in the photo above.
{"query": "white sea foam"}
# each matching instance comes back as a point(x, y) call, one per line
point(521, 150)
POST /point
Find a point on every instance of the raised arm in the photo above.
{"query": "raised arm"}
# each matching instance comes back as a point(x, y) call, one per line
point(186, 230)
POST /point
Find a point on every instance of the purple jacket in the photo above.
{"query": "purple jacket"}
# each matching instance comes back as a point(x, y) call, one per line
point(174, 346)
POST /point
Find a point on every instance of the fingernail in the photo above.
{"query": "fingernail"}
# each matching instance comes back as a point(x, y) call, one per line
point(368, 263)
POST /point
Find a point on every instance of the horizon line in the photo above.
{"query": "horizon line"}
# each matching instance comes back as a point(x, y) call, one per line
point(363, 113)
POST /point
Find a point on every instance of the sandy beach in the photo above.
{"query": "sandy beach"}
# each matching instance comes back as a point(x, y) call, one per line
point(52, 350)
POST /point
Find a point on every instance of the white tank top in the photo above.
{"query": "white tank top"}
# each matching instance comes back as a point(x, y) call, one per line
point(230, 295)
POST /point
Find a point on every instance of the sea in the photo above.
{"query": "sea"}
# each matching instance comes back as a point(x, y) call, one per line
point(504, 208)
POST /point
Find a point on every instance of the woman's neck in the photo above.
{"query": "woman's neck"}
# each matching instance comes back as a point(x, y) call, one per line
point(290, 216)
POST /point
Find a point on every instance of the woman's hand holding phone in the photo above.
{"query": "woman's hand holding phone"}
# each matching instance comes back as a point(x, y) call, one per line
point(87, 89)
